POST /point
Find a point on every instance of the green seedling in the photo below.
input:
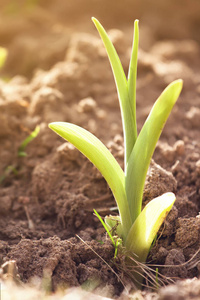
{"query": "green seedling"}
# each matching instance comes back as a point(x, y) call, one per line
point(32, 136)
point(20, 153)
point(8, 170)
point(136, 227)
point(114, 239)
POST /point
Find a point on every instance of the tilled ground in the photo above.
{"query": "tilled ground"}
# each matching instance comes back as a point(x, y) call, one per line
point(48, 196)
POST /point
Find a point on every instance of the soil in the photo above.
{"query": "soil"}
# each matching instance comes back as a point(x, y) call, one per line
point(57, 70)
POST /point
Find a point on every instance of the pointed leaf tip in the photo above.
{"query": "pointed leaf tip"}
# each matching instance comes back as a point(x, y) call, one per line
point(52, 125)
point(170, 196)
point(178, 82)
point(95, 21)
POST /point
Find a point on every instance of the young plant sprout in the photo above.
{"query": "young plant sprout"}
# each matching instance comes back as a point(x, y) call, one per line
point(32, 136)
point(137, 228)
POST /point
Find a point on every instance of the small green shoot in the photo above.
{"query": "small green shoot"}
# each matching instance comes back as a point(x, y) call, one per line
point(115, 243)
point(22, 147)
point(136, 227)
point(8, 170)
point(157, 278)
point(20, 153)
point(104, 225)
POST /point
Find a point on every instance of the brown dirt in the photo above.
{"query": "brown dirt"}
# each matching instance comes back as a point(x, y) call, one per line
point(58, 71)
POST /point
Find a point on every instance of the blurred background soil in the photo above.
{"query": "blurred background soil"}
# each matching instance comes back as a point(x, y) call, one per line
point(37, 32)
point(57, 70)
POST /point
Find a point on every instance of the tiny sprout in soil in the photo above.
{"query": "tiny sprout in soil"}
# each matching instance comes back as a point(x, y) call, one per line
point(20, 153)
point(136, 228)
point(32, 136)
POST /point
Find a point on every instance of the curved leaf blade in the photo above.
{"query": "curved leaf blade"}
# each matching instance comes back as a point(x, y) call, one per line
point(147, 224)
point(104, 161)
point(118, 72)
point(142, 152)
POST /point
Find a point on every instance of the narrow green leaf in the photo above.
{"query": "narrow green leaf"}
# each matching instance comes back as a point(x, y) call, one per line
point(8, 170)
point(127, 114)
point(132, 76)
point(105, 227)
point(101, 157)
point(33, 135)
point(147, 224)
point(140, 158)
point(120, 78)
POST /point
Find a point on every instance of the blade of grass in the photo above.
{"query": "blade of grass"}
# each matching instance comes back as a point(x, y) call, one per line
point(105, 227)
point(140, 158)
point(104, 161)
point(118, 240)
point(22, 147)
point(7, 172)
